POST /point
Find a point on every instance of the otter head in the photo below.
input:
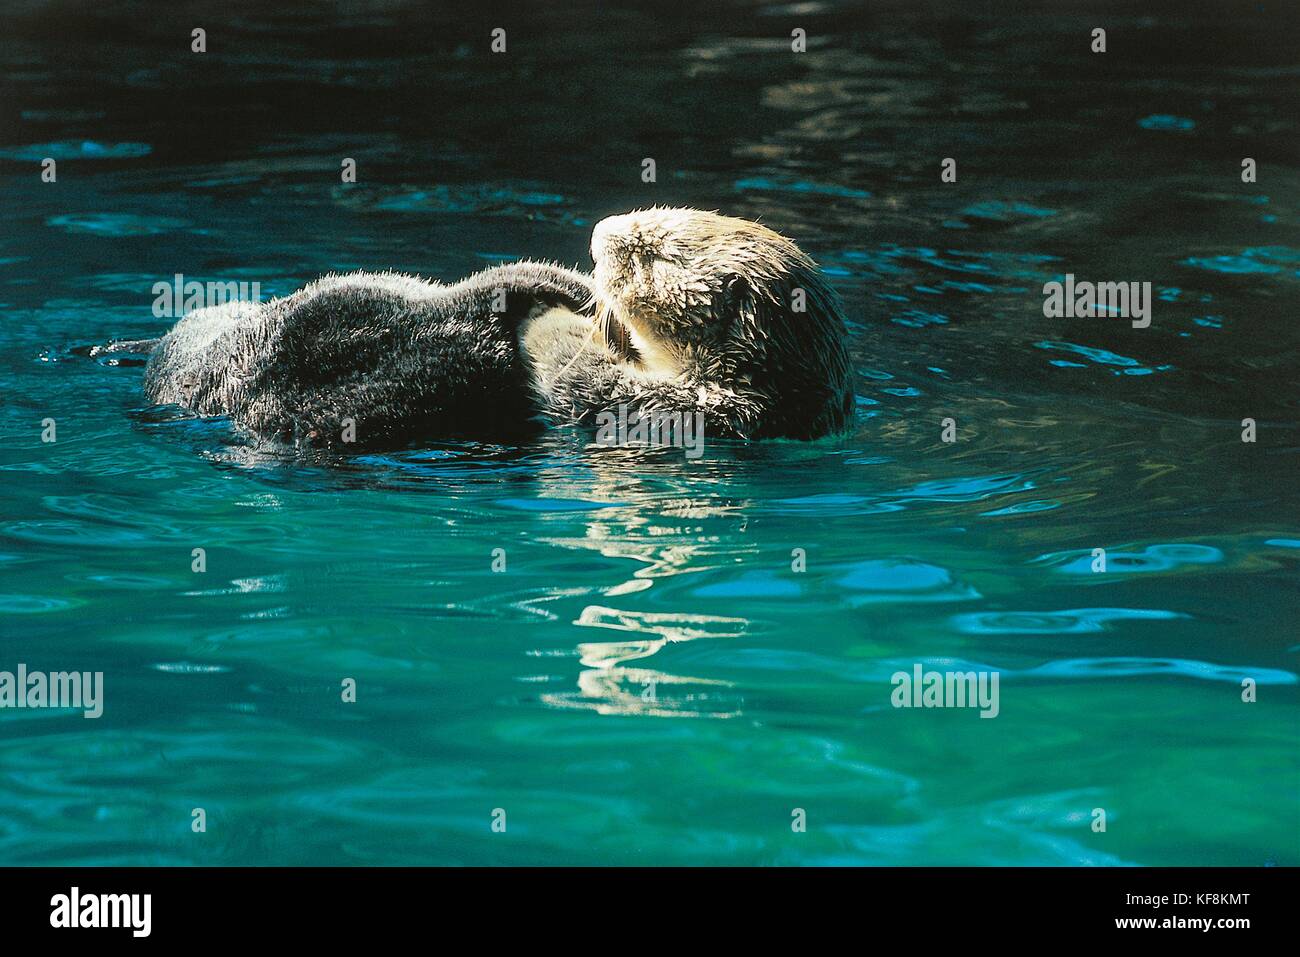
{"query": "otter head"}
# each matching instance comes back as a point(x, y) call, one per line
point(726, 298)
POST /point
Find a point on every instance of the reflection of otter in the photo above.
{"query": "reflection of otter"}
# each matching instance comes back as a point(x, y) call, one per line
point(402, 358)
point(702, 313)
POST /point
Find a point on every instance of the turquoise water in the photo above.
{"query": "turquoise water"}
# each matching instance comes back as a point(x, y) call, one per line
point(649, 680)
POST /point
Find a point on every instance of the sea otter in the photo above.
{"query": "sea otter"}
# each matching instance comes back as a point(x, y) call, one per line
point(700, 313)
point(688, 313)
point(367, 360)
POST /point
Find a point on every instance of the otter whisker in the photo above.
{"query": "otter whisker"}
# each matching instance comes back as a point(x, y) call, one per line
point(596, 326)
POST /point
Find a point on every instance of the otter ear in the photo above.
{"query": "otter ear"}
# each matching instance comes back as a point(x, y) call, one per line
point(735, 289)
point(737, 301)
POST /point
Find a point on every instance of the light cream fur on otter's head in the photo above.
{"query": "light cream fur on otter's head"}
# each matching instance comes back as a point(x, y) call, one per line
point(728, 302)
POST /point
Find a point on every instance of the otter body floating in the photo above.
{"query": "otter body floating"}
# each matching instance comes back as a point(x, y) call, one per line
point(367, 360)
point(688, 313)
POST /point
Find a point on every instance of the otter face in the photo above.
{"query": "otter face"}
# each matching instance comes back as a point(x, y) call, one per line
point(687, 284)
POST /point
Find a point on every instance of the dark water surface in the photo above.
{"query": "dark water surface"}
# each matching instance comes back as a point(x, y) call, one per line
point(649, 681)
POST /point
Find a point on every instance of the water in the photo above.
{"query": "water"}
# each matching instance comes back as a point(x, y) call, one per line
point(649, 681)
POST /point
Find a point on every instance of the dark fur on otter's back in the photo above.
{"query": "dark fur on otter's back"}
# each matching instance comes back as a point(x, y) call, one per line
point(403, 358)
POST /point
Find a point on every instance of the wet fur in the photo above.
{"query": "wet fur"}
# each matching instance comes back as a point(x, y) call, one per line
point(404, 358)
point(687, 311)
point(698, 311)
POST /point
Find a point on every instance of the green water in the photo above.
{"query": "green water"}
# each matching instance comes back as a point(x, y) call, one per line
point(650, 680)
